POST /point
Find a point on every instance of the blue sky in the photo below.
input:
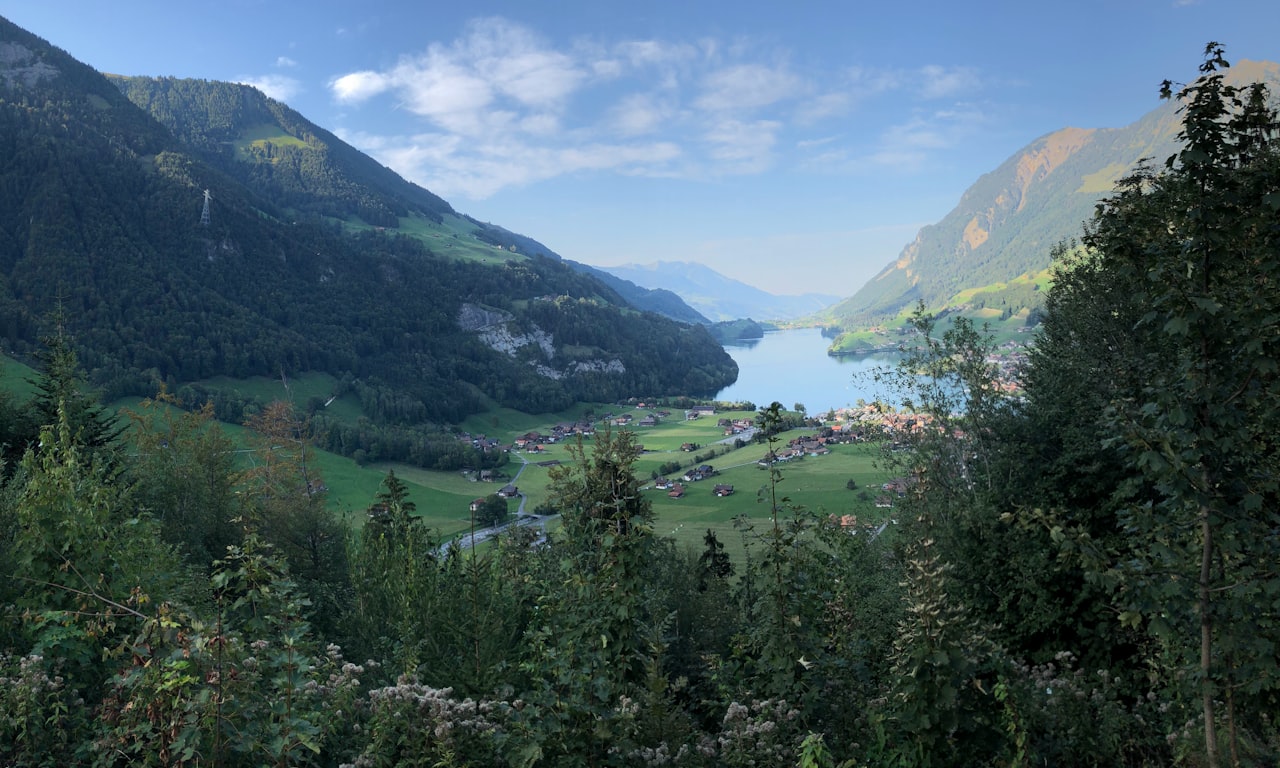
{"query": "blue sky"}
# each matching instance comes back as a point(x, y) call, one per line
point(794, 146)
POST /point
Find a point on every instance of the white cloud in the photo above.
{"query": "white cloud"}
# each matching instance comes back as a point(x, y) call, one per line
point(450, 165)
point(358, 86)
point(285, 62)
point(278, 87)
point(457, 86)
point(638, 114)
point(747, 87)
point(500, 105)
point(940, 82)
point(909, 144)
point(743, 147)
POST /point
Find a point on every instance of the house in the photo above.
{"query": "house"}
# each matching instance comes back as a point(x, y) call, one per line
point(698, 473)
point(648, 421)
point(884, 502)
point(723, 490)
point(688, 447)
point(486, 475)
point(509, 491)
point(663, 483)
point(676, 491)
point(476, 504)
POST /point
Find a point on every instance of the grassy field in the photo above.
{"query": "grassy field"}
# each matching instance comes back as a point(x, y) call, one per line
point(260, 136)
point(442, 498)
point(454, 237)
point(16, 378)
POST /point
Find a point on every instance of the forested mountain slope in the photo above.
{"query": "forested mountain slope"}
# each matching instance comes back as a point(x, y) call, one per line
point(307, 170)
point(1006, 224)
point(100, 213)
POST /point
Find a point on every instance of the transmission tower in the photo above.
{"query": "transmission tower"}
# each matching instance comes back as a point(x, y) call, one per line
point(204, 214)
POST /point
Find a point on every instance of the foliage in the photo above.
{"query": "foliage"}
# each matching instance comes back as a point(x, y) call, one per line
point(1195, 248)
point(492, 511)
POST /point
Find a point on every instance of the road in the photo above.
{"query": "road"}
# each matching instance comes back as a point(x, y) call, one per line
point(481, 535)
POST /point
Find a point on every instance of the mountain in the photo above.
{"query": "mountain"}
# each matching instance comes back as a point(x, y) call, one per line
point(660, 300)
point(1005, 225)
point(265, 144)
point(313, 258)
point(718, 297)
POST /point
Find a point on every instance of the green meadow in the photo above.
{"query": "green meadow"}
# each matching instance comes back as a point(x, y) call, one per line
point(815, 483)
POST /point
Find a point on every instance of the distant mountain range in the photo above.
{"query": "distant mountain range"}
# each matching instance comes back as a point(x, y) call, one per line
point(313, 257)
point(718, 297)
point(996, 243)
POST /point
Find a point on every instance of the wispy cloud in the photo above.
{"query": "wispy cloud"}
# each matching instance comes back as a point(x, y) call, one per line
point(941, 82)
point(747, 87)
point(500, 105)
point(907, 146)
point(278, 87)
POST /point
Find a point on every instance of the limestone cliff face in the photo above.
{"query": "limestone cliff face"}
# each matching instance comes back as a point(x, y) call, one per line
point(494, 327)
point(20, 65)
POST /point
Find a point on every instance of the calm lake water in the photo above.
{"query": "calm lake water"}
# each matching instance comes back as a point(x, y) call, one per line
point(792, 367)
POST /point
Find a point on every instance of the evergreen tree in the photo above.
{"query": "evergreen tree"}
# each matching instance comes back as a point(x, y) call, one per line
point(61, 389)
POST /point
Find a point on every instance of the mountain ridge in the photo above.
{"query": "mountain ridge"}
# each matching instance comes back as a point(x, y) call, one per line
point(717, 296)
point(1007, 222)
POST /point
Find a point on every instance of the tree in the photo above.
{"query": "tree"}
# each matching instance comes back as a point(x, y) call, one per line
point(286, 502)
point(714, 562)
point(392, 507)
point(1188, 268)
point(61, 389)
point(183, 475)
point(493, 511)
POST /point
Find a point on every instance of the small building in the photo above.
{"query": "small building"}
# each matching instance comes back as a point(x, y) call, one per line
point(677, 491)
point(723, 490)
point(509, 491)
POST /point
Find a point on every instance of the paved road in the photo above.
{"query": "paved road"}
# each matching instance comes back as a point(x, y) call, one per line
point(521, 520)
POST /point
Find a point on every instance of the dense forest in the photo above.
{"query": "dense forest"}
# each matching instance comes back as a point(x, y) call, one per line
point(1083, 575)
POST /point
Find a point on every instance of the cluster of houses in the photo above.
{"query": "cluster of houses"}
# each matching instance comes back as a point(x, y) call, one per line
point(809, 445)
point(650, 419)
point(676, 490)
point(735, 426)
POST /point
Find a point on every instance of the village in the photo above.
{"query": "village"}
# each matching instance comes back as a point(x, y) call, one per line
point(677, 447)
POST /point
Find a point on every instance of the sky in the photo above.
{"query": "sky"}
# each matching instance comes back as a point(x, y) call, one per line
point(797, 147)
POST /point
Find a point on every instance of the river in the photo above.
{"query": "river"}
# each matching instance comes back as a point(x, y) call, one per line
point(793, 366)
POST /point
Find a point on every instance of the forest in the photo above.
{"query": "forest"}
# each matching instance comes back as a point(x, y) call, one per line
point(1083, 574)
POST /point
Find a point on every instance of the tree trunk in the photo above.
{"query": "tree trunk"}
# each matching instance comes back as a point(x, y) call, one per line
point(1206, 639)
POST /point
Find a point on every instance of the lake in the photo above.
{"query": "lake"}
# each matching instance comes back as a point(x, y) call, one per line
point(793, 366)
